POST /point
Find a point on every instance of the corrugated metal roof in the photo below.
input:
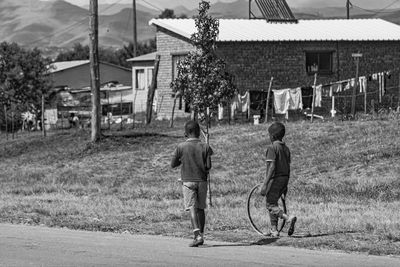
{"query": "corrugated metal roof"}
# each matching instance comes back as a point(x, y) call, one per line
point(63, 65)
point(242, 30)
point(146, 57)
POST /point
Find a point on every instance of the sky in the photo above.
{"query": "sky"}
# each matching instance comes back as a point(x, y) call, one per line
point(368, 4)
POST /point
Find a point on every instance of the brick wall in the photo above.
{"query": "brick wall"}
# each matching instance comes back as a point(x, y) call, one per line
point(253, 63)
point(168, 43)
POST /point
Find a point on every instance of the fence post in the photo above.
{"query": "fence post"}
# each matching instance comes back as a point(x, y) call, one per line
point(268, 96)
point(313, 97)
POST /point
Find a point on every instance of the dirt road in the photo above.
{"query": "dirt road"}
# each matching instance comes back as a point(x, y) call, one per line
point(41, 246)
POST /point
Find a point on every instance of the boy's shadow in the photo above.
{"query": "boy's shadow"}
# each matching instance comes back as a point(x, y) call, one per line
point(263, 241)
point(270, 240)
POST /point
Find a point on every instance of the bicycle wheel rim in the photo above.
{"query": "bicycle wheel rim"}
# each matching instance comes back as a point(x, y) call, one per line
point(258, 214)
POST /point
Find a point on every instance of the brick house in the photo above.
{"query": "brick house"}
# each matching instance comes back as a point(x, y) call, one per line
point(292, 53)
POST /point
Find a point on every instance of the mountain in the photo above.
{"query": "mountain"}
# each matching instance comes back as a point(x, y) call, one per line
point(110, 9)
point(61, 24)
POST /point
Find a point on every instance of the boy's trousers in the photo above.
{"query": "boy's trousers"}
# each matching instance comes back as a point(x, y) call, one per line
point(276, 187)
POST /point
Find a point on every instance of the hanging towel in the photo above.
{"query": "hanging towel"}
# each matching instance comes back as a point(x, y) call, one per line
point(352, 82)
point(306, 93)
point(363, 84)
point(347, 86)
point(245, 102)
point(234, 105)
point(318, 95)
point(220, 112)
point(375, 76)
point(296, 101)
point(281, 101)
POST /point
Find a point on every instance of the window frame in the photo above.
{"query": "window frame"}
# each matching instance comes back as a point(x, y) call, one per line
point(318, 53)
point(146, 70)
point(182, 105)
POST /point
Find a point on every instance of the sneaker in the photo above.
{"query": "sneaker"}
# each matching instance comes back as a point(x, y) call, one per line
point(292, 221)
point(197, 241)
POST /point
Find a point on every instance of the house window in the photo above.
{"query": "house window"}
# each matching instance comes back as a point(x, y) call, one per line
point(149, 76)
point(175, 62)
point(117, 109)
point(140, 79)
point(319, 62)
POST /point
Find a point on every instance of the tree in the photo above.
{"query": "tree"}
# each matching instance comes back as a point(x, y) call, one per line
point(110, 55)
point(202, 77)
point(170, 14)
point(167, 14)
point(23, 77)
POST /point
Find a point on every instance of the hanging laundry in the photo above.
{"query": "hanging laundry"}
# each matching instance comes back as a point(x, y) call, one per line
point(326, 90)
point(346, 86)
point(306, 93)
point(363, 84)
point(244, 102)
point(336, 88)
point(296, 101)
point(318, 95)
point(352, 82)
point(220, 112)
point(235, 103)
point(382, 87)
point(375, 76)
point(281, 101)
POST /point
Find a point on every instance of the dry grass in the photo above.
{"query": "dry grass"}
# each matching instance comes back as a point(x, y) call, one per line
point(345, 185)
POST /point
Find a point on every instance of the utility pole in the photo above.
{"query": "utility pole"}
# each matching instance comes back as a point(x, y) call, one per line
point(134, 28)
point(348, 8)
point(94, 70)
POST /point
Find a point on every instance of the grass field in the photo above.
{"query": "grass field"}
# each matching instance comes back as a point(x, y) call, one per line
point(345, 185)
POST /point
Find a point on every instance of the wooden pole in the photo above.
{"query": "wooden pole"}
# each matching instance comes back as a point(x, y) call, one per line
point(365, 97)
point(398, 100)
point(108, 110)
point(268, 96)
point(5, 119)
point(12, 124)
point(171, 124)
point(348, 9)
point(134, 28)
point(357, 57)
point(43, 125)
point(208, 143)
point(94, 71)
point(313, 97)
point(151, 92)
point(248, 106)
point(120, 112)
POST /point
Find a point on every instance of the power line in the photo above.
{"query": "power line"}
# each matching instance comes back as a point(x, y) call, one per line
point(380, 11)
point(66, 29)
point(152, 5)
